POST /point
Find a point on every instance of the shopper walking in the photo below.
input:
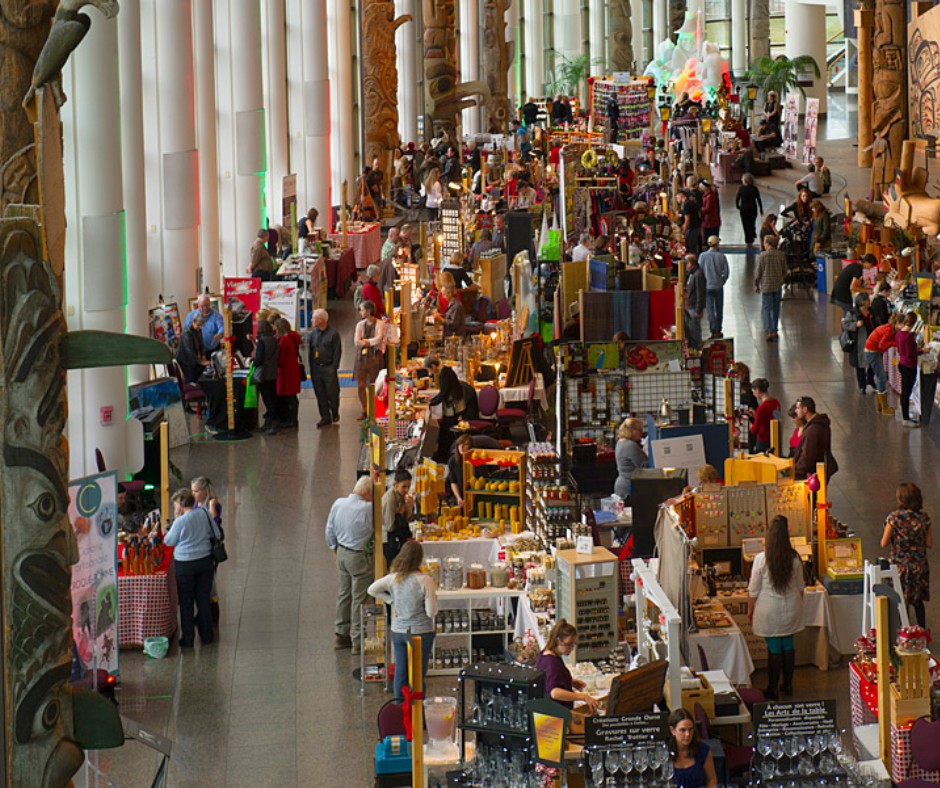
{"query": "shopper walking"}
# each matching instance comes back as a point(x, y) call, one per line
point(711, 209)
point(815, 441)
point(189, 536)
point(907, 532)
point(349, 536)
point(715, 267)
point(857, 325)
point(413, 597)
point(768, 281)
point(324, 351)
point(749, 205)
point(766, 412)
point(692, 762)
point(450, 398)
point(289, 374)
point(629, 454)
point(265, 374)
point(877, 344)
point(370, 350)
point(691, 213)
point(694, 300)
point(775, 604)
point(907, 364)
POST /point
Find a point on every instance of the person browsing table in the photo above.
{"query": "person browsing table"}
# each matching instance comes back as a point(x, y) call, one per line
point(559, 685)
point(213, 326)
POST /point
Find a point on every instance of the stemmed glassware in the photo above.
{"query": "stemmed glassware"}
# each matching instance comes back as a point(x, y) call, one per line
point(793, 747)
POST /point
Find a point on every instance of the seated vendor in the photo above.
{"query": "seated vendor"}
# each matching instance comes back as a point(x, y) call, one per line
point(559, 685)
point(692, 761)
point(454, 319)
point(462, 445)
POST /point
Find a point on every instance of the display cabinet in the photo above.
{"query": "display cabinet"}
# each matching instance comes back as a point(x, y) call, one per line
point(551, 507)
point(586, 596)
point(494, 486)
point(374, 641)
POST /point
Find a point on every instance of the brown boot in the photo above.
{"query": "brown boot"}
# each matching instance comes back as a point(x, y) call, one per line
point(883, 407)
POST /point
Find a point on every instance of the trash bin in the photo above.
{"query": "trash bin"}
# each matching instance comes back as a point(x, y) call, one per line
point(821, 265)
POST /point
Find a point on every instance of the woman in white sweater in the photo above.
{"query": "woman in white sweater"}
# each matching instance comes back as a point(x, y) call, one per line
point(413, 597)
point(775, 604)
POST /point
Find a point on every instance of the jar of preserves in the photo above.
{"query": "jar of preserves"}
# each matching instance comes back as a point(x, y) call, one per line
point(476, 576)
point(499, 574)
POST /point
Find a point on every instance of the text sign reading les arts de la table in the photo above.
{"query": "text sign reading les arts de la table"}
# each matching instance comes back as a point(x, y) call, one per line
point(805, 718)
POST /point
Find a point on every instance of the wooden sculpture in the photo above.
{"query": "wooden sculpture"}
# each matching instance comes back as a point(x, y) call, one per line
point(499, 53)
point(909, 205)
point(621, 36)
point(380, 79)
point(677, 9)
point(444, 97)
point(889, 82)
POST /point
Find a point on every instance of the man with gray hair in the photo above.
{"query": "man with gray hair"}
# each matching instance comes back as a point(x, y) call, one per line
point(390, 247)
point(371, 291)
point(349, 535)
point(583, 250)
point(324, 349)
point(213, 326)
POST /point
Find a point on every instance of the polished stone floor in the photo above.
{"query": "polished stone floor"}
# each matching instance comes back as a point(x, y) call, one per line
point(272, 704)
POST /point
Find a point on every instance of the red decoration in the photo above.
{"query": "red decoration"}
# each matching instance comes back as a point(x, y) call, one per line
point(409, 697)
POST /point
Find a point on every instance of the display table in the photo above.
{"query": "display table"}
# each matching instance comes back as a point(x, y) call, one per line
point(366, 244)
point(726, 650)
point(481, 550)
point(147, 604)
point(724, 170)
point(340, 271)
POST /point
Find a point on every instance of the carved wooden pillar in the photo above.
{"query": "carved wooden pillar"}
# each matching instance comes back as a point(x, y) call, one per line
point(620, 43)
point(380, 80)
point(864, 20)
point(496, 65)
point(889, 80)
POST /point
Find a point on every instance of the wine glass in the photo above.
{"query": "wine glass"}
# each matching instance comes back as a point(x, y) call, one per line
point(776, 752)
point(792, 748)
point(835, 743)
point(767, 770)
point(626, 761)
point(612, 762)
point(668, 769)
point(805, 766)
point(763, 746)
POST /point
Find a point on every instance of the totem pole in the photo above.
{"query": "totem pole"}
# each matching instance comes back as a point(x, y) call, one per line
point(496, 64)
point(444, 97)
point(621, 36)
point(47, 723)
point(380, 79)
point(889, 83)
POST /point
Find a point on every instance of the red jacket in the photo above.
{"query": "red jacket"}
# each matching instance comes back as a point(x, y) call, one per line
point(288, 365)
point(711, 213)
point(371, 291)
point(762, 418)
point(880, 339)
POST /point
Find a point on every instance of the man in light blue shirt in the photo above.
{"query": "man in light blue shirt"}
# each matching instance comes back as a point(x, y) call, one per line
point(714, 265)
point(213, 329)
point(349, 534)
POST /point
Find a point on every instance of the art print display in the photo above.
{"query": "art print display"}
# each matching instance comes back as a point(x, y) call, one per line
point(166, 326)
point(810, 123)
point(791, 125)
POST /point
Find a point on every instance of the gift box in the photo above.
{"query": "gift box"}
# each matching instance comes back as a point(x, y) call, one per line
point(902, 763)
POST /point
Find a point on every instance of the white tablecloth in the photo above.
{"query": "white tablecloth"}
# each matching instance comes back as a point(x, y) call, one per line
point(527, 619)
point(481, 550)
point(725, 650)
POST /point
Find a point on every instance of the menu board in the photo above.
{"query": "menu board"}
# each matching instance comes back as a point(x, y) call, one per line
point(626, 729)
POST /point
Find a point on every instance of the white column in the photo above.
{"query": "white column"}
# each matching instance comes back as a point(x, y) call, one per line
point(469, 51)
point(636, 19)
point(407, 53)
point(568, 27)
point(806, 35)
point(534, 49)
point(342, 132)
point(134, 181)
point(177, 148)
point(275, 48)
point(319, 180)
point(739, 58)
point(660, 24)
point(96, 279)
point(598, 16)
point(515, 74)
point(210, 252)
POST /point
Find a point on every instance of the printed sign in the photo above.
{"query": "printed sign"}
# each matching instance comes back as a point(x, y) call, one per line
point(246, 289)
point(165, 325)
point(283, 297)
point(803, 718)
point(549, 720)
point(94, 518)
point(791, 125)
point(810, 123)
point(626, 729)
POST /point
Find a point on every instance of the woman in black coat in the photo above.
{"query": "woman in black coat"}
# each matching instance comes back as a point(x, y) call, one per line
point(451, 399)
point(265, 375)
point(191, 353)
point(749, 205)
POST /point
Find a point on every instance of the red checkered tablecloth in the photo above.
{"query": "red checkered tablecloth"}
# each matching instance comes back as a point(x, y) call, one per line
point(367, 245)
point(902, 764)
point(147, 607)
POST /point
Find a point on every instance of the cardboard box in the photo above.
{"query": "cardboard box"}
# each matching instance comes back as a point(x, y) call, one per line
point(705, 697)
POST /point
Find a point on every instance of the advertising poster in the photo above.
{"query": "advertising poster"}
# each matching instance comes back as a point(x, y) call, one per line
point(94, 517)
point(810, 123)
point(791, 125)
point(165, 325)
point(283, 297)
point(246, 289)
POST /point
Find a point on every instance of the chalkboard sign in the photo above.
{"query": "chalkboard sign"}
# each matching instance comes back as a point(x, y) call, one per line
point(804, 718)
point(626, 729)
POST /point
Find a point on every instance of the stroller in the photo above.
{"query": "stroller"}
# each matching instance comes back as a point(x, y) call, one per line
point(796, 243)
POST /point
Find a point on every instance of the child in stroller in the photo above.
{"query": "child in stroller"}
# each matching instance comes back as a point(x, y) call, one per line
point(796, 241)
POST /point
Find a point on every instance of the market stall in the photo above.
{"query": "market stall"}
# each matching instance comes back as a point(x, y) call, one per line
point(147, 601)
point(364, 238)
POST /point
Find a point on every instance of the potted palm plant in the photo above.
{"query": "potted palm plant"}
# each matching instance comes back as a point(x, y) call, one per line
point(570, 74)
point(782, 74)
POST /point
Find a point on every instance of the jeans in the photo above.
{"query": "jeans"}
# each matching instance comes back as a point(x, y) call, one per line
point(400, 642)
point(715, 304)
point(908, 376)
point(876, 364)
point(770, 309)
point(194, 587)
point(356, 573)
point(326, 388)
point(693, 327)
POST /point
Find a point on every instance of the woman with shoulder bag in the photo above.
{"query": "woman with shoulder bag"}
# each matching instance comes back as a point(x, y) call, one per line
point(205, 496)
point(370, 350)
point(265, 375)
point(191, 536)
point(856, 326)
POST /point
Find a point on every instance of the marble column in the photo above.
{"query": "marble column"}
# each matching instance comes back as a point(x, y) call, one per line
point(318, 162)
point(210, 251)
point(738, 37)
point(406, 52)
point(134, 180)
point(96, 279)
point(177, 151)
point(275, 99)
point(660, 20)
point(534, 49)
point(806, 35)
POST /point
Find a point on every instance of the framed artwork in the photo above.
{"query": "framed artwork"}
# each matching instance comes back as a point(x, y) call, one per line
point(165, 325)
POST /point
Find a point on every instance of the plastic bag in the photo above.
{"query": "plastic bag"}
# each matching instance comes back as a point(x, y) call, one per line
point(251, 390)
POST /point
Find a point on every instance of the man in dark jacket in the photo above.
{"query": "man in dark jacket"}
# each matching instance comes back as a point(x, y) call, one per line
point(324, 349)
point(816, 442)
point(530, 113)
point(694, 300)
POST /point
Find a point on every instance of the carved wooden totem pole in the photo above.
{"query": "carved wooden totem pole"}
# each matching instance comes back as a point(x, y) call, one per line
point(47, 723)
point(621, 36)
point(499, 53)
point(889, 83)
point(444, 97)
point(380, 79)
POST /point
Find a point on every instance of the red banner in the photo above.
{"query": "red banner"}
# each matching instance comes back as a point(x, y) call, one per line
point(246, 289)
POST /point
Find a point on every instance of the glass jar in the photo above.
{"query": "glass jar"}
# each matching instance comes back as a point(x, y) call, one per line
point(432, 568)
point(476, 576)
point(452, 573)
point(499, 574)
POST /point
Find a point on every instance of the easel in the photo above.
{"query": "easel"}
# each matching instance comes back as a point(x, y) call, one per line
point(519, 374)
point(874, 575)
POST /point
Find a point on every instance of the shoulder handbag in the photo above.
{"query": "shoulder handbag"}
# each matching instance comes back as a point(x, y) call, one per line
point(219, 553)
point(847, 341)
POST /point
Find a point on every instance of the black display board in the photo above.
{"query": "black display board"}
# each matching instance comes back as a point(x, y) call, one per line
point(626, 729)
point(518, 234)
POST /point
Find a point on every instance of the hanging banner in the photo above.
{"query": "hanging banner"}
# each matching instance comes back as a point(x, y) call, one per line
point(810, 122)
point(94, 517)
point(246, 289)
point(283, 297)
point(791, 125)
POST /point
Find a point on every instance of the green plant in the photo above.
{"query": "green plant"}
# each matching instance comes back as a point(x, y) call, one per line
point(569, 73)
point(781, 74)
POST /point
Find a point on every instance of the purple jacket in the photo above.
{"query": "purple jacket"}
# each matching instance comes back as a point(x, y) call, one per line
point(907, 348)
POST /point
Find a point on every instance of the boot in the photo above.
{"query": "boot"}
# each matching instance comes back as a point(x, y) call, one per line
point(879, 404)
point(789, 661)
point(883, 407)
point(774, 663)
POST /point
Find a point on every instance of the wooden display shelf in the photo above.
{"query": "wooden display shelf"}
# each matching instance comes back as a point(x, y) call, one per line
point(494, 456)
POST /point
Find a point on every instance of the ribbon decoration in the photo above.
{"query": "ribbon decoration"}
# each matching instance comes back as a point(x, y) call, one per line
point(410, 697)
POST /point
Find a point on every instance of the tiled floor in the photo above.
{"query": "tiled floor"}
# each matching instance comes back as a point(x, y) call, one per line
point(272, 704)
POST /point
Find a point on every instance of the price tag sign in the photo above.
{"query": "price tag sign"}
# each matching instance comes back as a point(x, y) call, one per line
point(626, 729)
point(584, 545)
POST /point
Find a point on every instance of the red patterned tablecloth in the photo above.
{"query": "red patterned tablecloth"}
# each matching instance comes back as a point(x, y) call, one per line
point(341, 271)
point(366, 245)
point(147, 604)
point(902, 764)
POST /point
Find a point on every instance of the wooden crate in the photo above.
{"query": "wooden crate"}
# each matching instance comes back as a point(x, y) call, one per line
point(705, 697)
point(493, 276)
